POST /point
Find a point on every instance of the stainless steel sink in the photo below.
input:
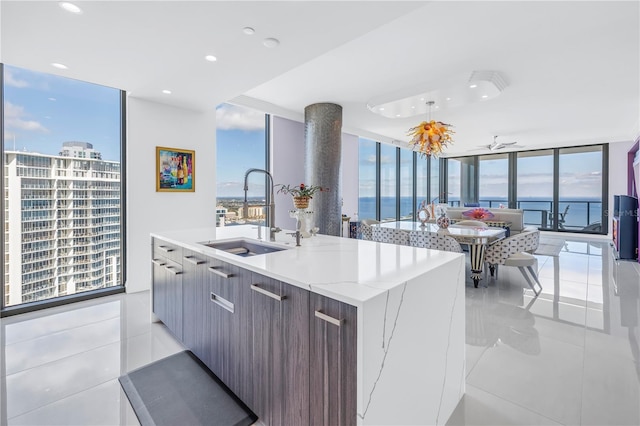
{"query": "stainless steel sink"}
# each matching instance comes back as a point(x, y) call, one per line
point(242, 247)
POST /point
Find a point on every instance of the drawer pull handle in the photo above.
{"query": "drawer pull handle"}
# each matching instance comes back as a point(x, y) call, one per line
point(222, 302)
point(166, 249)
point(158, 262)
point(214, 269)
point(329, 319)
point(255, 287)
point(194, 260)
point(173, 270)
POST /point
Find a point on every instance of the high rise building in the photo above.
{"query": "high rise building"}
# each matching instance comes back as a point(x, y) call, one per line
point(62, 215)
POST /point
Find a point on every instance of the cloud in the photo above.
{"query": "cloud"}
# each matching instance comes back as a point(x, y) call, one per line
point(11, 80)
point(231, 117)
point(15, 118)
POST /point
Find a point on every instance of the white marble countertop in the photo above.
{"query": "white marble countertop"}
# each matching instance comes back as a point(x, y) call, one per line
point(352, 271)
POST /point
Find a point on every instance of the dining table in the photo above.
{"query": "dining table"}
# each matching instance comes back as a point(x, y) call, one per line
point(477, 238)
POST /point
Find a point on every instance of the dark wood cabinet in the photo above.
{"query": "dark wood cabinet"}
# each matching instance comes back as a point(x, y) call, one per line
point(195, 304)
point(289, 354)
point(280, 351)
point(167, 293)
point(333, 362)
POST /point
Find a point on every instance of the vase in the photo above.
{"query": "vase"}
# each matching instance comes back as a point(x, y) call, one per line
point(443, 221)
point(301, 202)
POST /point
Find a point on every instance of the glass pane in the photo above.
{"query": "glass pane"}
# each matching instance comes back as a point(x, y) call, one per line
point(422, 180)
point(535, 187)
point(461, 181)
point(453, 181)
point(580, 189)
point(434, 180)
point(493, 185)
point(387, 182)
point(62, 186)
point(240, 136)
point(367, 179)
point(406, 184)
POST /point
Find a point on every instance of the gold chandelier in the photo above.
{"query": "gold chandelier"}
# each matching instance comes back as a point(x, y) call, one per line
point(430, 137)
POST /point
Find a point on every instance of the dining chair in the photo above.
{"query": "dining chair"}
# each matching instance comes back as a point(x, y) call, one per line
point(434, 241)
point(390, 235)
point(365, 228)
point(516, 251)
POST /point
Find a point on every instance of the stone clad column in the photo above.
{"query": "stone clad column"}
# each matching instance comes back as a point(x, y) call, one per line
point(323, 149)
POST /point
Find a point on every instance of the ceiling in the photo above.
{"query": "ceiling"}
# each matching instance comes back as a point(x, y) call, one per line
point(572, 68)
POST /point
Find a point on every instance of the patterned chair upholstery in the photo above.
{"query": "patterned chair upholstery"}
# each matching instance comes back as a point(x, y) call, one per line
point(365, 228)
point(516, 251)
point(390, 235)
point(434, 241)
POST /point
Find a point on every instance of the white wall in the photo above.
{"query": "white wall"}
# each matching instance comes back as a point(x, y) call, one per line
point(149, 125)
point(287, 166)
point(617, 173)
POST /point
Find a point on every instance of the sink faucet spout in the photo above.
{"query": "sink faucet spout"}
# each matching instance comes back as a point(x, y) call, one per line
point(271, 214)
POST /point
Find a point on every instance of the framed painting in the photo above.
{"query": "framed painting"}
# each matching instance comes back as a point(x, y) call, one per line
point(175, 170)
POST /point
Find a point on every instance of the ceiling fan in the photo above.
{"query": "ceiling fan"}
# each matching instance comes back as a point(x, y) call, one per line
point(495, 145)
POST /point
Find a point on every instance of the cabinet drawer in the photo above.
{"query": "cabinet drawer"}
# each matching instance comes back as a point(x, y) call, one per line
point(169, 251)
point(223, 278)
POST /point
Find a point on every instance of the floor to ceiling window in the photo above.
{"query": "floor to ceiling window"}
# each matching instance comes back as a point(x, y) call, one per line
point(394, 181)
point(560, 189)
point(535, 187)
point(63, 210)
point(388, 179)
point(580, 189)
point(241, 143)
point(493, 180)
point(406, 184)
point(367, 178)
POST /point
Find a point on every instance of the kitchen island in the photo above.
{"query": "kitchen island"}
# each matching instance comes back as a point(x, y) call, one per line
point(336, 331)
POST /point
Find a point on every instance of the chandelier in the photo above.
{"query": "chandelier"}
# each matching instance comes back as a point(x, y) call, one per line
point(430, 137)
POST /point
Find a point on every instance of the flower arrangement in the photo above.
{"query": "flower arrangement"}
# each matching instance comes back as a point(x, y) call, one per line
point(430, 137)
point(478, 213)
point(301, 190)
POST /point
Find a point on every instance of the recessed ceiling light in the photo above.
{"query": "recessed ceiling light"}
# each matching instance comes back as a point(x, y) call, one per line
point(413, 107)
point(70, 7)
point(166, 92)
point(473, 86)
point(271, 42)
point(381, 109)
point(210, 58)
point(248, 31)
point(437, 106)
point(397, 115)
point(59, 66)
point(485, 96)
point(448, 99)
point(422, 99)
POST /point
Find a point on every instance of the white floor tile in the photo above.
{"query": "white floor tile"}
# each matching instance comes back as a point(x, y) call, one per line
point(482, 408)
point(544, 375)
point(105, 404)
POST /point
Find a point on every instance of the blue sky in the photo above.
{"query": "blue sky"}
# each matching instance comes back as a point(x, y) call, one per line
point(42, 111)
point(240, 139)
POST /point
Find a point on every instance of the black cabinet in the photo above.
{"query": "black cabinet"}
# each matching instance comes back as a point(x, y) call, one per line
point(195, 304)
point(625, 226)
point(332, 371)
point(280, 351)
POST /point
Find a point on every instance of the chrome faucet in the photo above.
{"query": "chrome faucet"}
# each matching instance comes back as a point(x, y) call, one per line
point(271, 215)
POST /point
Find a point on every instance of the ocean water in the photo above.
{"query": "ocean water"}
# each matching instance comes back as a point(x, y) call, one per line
point(582, 212)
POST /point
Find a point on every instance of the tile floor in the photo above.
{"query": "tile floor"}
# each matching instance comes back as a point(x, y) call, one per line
point(570, 356)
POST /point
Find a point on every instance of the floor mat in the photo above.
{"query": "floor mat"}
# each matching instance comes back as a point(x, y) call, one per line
point(181, 390)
